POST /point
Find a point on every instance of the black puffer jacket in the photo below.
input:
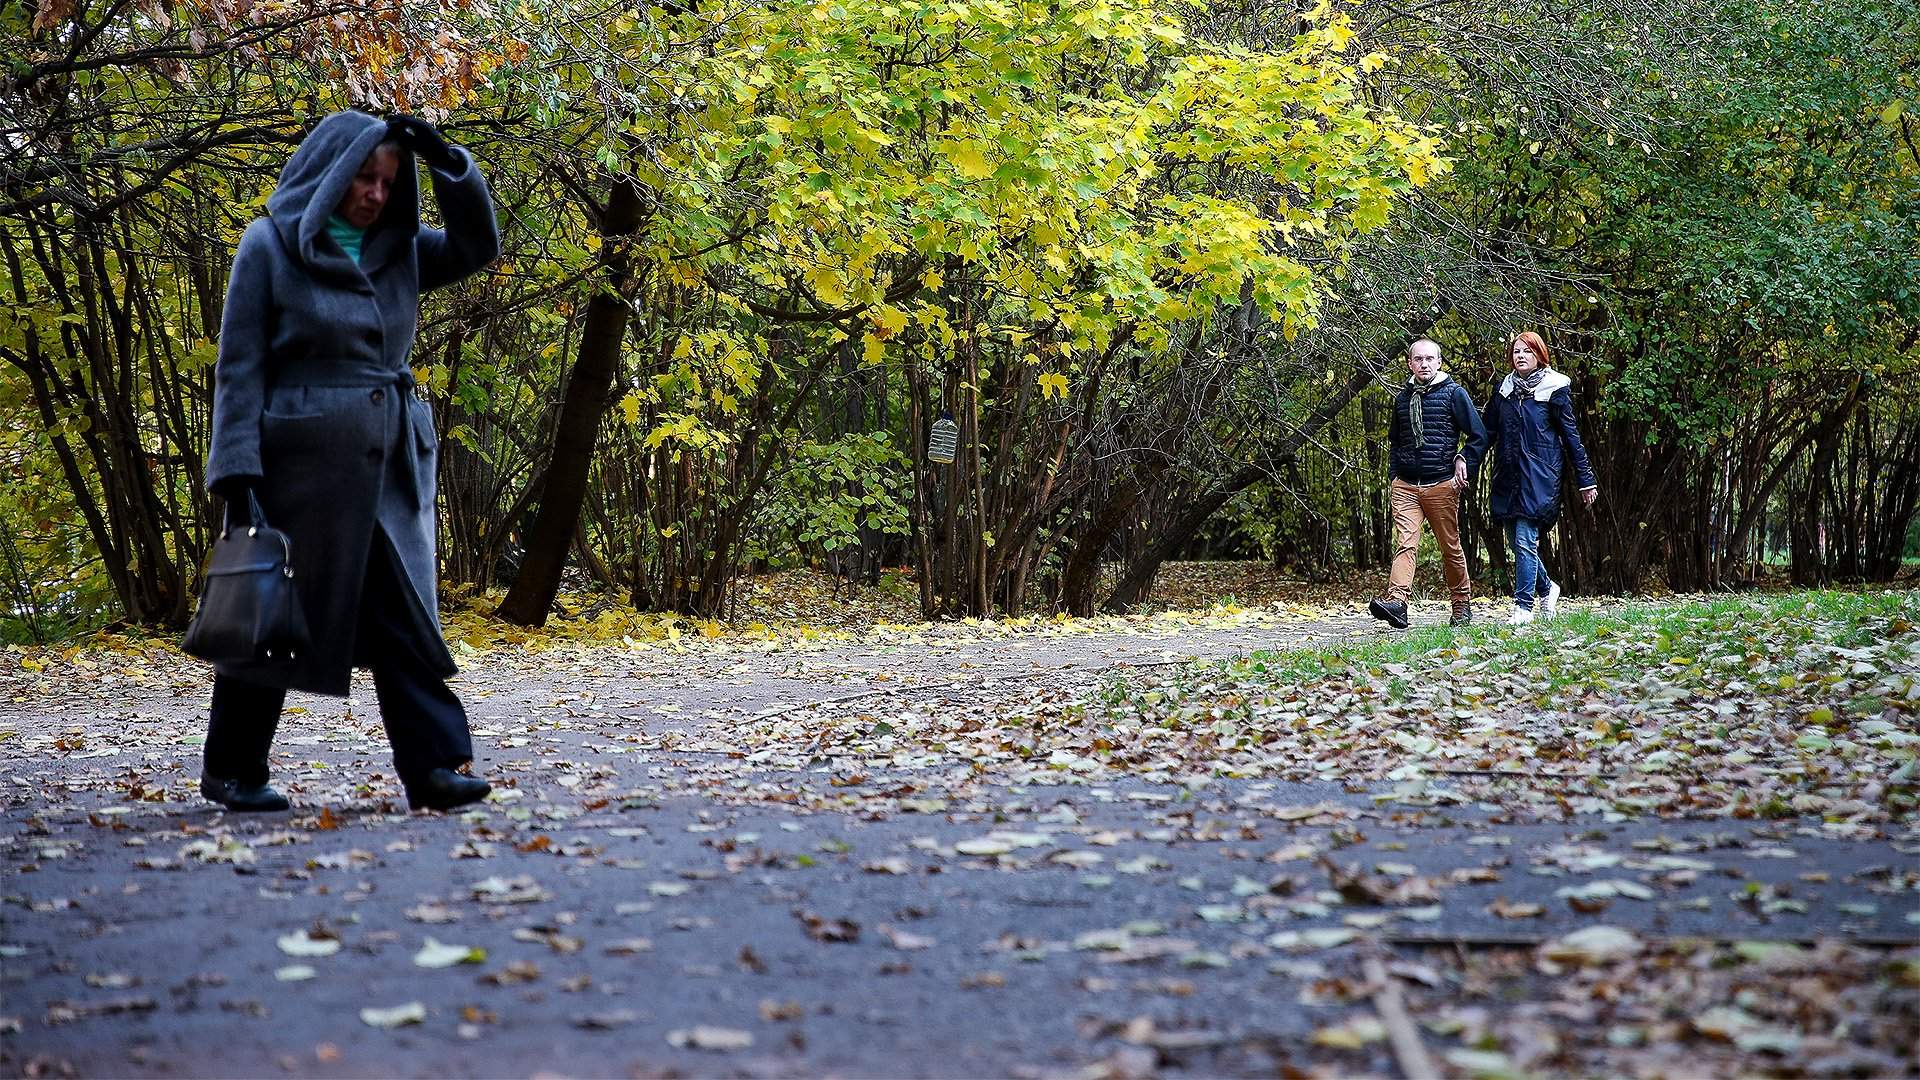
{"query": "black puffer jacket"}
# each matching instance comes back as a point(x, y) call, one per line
point(1448, 416)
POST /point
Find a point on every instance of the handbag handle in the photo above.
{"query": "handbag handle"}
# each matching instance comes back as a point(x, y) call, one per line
point(256, 517)
point(257, 520)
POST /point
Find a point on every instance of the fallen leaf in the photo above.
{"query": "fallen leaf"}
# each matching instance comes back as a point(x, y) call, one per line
point(299, 944)
point(399, 1015)
point(606, 1021)
point(1592, 945)
point(903, 940)
point(1316, 938)
point(703, 1037)
point(772, 1011)
point(433, 954)
point(825, 929)
point(1351, 1035)
point(1506, 909)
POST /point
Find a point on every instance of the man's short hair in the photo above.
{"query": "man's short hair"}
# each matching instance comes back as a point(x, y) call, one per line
point(1425, 341)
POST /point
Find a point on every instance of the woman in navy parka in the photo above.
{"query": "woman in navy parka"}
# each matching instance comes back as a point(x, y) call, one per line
point(1529, 421)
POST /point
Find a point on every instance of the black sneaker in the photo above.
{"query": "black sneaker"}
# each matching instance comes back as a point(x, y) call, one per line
point(1391, 612)
point(1462, 615)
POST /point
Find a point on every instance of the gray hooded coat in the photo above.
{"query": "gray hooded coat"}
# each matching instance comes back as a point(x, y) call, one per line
point(313, 393)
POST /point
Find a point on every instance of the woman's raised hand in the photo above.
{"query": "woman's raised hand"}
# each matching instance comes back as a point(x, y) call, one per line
point(424, 140)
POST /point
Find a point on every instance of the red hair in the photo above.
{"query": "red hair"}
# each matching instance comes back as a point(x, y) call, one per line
point(1533, 341)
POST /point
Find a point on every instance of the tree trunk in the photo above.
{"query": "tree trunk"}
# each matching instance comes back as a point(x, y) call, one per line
point(1082, 572)
point(565, 483)
point(1140, 572)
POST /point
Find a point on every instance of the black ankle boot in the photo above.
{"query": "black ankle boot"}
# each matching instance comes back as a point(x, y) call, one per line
point(1391, 612)
point(241, 798)
point(444, 789)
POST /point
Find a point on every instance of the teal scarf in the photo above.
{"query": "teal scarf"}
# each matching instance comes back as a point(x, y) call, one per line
point(346, 236)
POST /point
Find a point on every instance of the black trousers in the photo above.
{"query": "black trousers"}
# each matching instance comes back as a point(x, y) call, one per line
point(426, 724)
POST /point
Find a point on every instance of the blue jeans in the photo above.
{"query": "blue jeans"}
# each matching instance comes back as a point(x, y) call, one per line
point(1529, 573)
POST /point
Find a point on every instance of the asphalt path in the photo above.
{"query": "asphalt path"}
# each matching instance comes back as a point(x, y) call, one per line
point(646, 897)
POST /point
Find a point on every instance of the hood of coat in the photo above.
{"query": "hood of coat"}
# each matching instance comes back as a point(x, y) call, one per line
point(318, 176)
point(1551, 383)
point(1438, 378)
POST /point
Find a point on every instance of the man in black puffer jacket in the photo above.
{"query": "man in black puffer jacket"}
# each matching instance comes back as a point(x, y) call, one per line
point(1431, 415)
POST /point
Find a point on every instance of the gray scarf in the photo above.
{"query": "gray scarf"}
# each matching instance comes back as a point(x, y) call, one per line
point(1417, 409)
point(1529, 382)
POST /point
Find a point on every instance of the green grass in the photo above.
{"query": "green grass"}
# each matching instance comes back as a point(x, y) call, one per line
point(1852, 619)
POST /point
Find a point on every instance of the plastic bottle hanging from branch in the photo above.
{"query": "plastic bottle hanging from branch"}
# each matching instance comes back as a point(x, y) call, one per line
point(943, 440)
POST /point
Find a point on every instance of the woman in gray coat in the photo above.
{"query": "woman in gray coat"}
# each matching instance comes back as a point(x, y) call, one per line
point(314, 412)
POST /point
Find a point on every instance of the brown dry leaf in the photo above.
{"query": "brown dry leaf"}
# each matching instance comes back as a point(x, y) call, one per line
point(774, 1011)
point(515, 973)
point(1506, 909)
point(1355, 886)
point(827, 929)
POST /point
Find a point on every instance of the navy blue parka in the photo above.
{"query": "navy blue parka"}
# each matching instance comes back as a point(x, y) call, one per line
point(1532, 435)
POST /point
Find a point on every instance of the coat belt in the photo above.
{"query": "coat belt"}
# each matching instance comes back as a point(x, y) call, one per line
point(404, 382)
point(401, 380)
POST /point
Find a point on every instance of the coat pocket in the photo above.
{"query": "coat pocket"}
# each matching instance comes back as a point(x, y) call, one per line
point(295, 448)
point(282, 433)
point(290, 403)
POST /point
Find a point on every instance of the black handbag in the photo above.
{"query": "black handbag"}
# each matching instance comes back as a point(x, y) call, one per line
point(250, 610)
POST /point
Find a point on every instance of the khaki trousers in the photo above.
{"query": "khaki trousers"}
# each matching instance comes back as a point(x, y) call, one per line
point(1439, 504)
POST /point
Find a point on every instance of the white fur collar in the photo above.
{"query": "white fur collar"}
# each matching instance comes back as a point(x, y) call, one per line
point(1551, 382)
point(1438, 378)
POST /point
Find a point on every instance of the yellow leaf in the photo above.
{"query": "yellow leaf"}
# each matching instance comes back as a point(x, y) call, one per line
point(1052, 383)
point(630, 407)
point(967, 158)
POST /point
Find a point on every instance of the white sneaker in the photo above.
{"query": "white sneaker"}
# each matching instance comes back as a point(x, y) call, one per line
point(1550, 603)
point(1520, 617)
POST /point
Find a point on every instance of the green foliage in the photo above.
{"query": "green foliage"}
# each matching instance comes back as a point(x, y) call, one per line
point(833, 494)
point(1766, 234)
point(863, 213)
